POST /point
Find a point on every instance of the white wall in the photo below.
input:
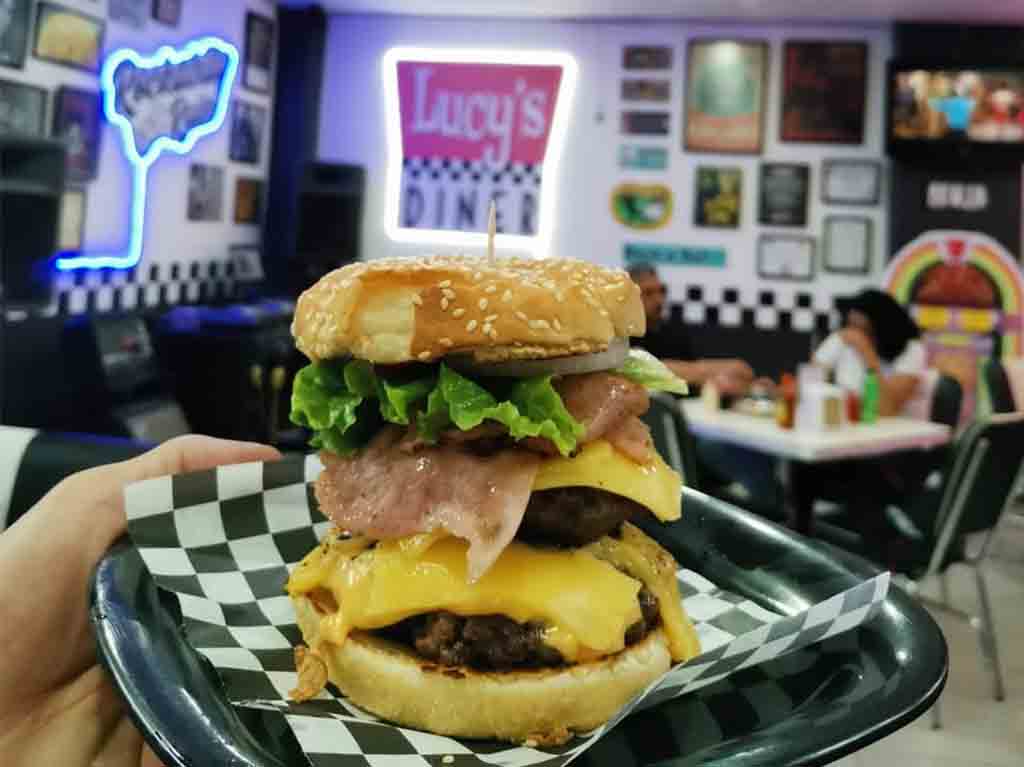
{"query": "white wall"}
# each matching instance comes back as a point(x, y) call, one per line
point(352, 130)
point(170, 236)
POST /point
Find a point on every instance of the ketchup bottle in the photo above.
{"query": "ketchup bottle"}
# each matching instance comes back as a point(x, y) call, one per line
point(785, 406)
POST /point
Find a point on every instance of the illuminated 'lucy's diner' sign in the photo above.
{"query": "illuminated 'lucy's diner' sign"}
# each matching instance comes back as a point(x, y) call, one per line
point(466, 127)
point(161, 103)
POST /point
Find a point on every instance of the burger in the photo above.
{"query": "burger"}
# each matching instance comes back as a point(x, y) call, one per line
point(478, 421)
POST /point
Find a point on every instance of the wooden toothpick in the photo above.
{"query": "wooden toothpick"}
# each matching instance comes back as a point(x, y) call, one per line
point(492, 225)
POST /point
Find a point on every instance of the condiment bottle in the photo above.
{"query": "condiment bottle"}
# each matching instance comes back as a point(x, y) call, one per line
point(785, 406)
point(869, 402)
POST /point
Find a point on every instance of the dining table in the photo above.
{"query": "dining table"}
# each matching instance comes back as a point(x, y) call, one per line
point(761, 433)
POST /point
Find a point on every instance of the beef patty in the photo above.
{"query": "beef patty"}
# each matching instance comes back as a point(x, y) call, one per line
point(496, 642)
point(574, 516)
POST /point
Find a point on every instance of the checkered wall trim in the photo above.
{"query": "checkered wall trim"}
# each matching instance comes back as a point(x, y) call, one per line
point(148, 287)
point(762, 309)
point(437, 169)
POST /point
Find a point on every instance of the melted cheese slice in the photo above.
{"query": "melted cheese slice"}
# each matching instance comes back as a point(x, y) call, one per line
point(585, 598)
point(654, 485)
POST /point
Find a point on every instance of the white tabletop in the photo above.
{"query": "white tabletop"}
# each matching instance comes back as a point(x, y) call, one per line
point(851, 441)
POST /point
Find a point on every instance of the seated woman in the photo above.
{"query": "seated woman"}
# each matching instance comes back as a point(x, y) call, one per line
point(878, 336)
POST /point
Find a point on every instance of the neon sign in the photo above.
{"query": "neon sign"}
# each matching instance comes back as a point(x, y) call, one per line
point(160, 103)
point(467, 126)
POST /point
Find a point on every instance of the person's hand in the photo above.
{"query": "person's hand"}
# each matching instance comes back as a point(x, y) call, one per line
point(56, 704)
point(861, 343)
point(731, 377)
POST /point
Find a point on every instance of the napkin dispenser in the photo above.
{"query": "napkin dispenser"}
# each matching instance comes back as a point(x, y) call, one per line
point(820, 407)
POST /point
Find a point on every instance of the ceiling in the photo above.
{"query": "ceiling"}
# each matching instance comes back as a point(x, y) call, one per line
point(993, 11)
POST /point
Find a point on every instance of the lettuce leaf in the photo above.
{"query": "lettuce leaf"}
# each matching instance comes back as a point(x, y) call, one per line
point(533, 409)
point(646, 369)
point(344, 405)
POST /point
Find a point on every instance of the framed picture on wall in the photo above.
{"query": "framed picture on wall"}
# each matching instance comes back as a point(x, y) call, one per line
point(248, 262)
point(76, 120)
point(646, 57)
point(824, 89)
point(22, 108)
point(205, 192)
point(851, 182)
point(133, 13)
point(15, 16)
point(248, 200)
point(725, 92)
point(167, 12)
point(784, 194)
point(259, 53)
point(634, 89)
point(72, 220)
point(718, 197)
point(247, 122)
point(785, 257)
point(848, 246)
point(65, 36)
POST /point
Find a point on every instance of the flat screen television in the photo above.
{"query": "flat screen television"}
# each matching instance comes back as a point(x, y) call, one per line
point(955, 113)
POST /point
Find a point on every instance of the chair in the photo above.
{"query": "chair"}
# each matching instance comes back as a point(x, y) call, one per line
point(931, 534)
point(1000, 391)
point(32, 462)
point(672, 438)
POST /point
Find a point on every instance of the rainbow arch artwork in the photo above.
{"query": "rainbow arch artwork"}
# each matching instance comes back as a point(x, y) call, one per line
point(956, 322)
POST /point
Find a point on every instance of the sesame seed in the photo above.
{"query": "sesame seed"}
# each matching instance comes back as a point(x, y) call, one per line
point(490, 318)
point(416, 299)
point(506, 296)
point(449, 294)
point(444, 304)
point(604, 312)
point(491, 289)
point(444, 284)
point(471, 326)
point(522, 316)
point(493, 334)
point(346, 283)
point(424, 355)
point(447, 342)
point(539, 324)
point(482, 303)
point(559, 296)
point(622, 299)
point(458, 313)
point(558, 325)
point(478, 276)
point(488, 328)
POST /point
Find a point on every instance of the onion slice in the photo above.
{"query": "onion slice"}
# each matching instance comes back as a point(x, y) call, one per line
point(575, 364)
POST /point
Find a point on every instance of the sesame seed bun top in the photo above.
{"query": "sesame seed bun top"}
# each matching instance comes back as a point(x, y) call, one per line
point(397, 310)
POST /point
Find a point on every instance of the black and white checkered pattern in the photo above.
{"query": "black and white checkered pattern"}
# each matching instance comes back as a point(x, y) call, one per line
point(225, 541)
point(762, 309)
point(147, 287)
point(447, 170)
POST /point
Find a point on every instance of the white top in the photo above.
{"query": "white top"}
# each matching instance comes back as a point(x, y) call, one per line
point(850, 370)
point(851, 441)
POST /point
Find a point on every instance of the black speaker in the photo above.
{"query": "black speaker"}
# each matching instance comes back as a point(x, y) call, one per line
point(31, 185)
point(330, 217)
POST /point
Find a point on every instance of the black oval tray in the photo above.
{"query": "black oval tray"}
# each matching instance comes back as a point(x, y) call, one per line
point(807, 708)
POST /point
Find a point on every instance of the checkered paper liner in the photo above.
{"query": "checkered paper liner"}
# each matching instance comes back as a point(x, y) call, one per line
point(225, 540)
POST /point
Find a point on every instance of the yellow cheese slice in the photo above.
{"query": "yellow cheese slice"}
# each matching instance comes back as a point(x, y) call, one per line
point(654, 485)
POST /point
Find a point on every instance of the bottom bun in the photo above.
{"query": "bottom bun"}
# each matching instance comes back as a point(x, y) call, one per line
point(539, 706)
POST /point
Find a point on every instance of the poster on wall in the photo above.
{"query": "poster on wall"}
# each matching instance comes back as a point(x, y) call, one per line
point(851, 182)
point(14, 22)
point(849, 242)
point(167, 12)
point(248, 200)
point(644, 123)
point(717, 197)
point(247, 122)
point(645, 90)
point(259, 53)
point(642, 206)
point(22, 109)
point(76, 120)
point(784, 194)
point(646, 57)
point(643, 157)
point(673, 255)
point(785, 257)
point(132, 13)
point(205, 192)
point(824, 88)
point(470, 132)
point(67, 37)
point(72, 220)
point(725, 92)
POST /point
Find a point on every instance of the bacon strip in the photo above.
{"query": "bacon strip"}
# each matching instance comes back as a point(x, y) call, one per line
point(385, 491)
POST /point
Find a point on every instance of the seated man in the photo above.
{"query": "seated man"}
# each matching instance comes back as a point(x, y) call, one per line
point(668, 340)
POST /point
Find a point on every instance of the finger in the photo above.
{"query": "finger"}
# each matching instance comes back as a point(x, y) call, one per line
point(182, 455)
